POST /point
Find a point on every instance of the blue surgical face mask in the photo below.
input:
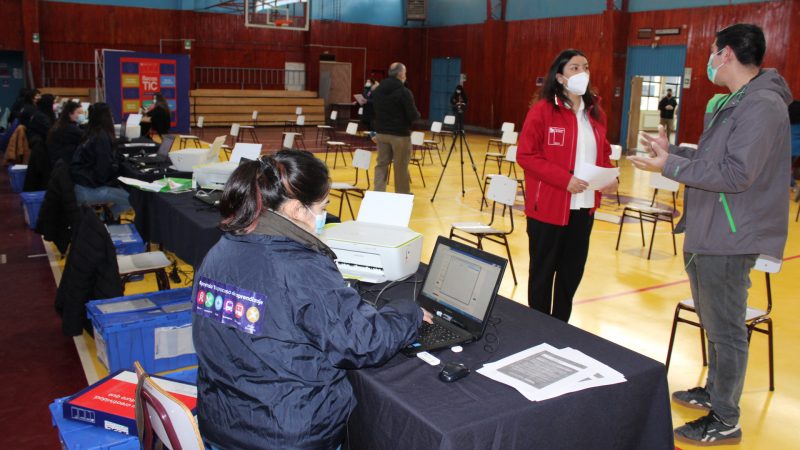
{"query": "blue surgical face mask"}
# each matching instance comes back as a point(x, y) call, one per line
point(81, 119)
point(319, 220)
point(711, 71)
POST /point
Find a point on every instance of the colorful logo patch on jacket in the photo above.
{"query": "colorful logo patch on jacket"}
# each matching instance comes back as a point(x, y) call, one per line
point(230, 305)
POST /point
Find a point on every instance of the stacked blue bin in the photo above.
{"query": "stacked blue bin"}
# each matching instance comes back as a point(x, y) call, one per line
point(75, 435)
point(127, 241)
point(154, 329)
point(16, 175)
point(32, 203)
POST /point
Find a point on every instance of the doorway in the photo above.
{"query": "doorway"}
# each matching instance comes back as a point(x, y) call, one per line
point(334, 82)
point(648, 75)
point(445, 76)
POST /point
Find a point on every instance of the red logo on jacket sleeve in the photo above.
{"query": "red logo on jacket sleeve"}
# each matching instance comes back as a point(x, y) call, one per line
point(555, 136)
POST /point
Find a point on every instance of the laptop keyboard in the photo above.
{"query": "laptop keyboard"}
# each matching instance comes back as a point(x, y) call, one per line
point(429, 334)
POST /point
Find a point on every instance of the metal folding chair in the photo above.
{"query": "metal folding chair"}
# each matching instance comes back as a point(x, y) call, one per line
point(503, 190)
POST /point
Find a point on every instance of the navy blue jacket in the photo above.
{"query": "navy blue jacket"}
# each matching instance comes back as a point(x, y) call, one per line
point(276, 376)
point(95, 162)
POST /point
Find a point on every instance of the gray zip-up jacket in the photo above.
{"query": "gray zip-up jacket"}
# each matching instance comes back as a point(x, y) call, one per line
point(737, 195)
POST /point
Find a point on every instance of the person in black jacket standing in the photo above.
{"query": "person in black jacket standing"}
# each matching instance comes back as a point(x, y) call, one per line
point(395, 111)
point(94, 166)
point(458, 101)
point(666, 108)
point(66, 134)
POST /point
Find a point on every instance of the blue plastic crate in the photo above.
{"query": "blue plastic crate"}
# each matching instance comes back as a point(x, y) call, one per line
point(154, 329)
point(31, 204)
point(76, 435)
point(126, 239)
point(16, 175)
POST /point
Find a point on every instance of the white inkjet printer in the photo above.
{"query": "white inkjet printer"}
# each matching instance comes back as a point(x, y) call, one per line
point(214, 175)
point(378, 246)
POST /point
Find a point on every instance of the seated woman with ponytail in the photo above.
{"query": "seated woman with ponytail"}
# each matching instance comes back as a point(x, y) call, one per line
point(275, 327)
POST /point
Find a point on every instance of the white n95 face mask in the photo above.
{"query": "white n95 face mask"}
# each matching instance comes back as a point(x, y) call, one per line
point(578, 83)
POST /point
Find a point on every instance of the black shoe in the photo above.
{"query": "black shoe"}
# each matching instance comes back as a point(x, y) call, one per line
point(709, 430)
point(696, 398)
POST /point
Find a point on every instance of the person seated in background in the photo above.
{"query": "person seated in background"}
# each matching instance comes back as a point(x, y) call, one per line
point(42, 118)
point(66, 134)
point(273, 364)
point(95, 166)
point(39, 165)
point(24, 106)
point(156, 120)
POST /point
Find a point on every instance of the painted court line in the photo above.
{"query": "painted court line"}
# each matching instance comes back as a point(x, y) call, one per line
point(650, 288)
point(632, 291)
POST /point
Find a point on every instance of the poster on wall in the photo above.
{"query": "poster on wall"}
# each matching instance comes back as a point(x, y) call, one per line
point(133, 78)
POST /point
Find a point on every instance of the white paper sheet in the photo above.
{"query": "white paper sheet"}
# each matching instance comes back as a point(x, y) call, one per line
point(543, 372)
point(386, 208)
point(155, 186)
point(126, 306)
point(597, 177)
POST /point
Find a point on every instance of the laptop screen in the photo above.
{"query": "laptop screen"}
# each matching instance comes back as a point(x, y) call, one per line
point(461, 283)
point(166, 144)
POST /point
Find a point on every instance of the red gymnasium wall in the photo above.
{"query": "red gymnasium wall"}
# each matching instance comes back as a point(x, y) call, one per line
point(501, 59)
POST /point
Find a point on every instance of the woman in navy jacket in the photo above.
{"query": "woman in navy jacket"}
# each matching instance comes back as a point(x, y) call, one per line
point(95, 164)
point(563, 129)
point(275, 326)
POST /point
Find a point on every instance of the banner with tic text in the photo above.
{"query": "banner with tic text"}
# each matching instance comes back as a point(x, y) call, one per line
point(132, 78)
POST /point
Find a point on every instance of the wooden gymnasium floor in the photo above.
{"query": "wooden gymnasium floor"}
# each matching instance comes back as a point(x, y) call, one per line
point(623, 297)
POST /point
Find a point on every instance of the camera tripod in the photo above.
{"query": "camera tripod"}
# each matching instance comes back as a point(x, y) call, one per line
point(459, 136)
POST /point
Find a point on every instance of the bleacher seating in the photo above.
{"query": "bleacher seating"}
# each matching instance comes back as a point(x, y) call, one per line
point(68, 92)
point(221, 107)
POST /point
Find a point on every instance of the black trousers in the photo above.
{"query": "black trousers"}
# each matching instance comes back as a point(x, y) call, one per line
point(558, 256)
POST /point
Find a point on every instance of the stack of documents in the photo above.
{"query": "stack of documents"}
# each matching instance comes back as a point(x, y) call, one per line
point(544, 372)
point(167, 184)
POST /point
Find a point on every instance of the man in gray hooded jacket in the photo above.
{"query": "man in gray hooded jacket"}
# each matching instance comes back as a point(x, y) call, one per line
point(736, 208)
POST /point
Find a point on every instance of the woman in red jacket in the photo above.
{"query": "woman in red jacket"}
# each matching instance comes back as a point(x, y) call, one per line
point(563, 129)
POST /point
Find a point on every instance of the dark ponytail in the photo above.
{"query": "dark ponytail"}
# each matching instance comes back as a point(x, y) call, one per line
point(268, 183)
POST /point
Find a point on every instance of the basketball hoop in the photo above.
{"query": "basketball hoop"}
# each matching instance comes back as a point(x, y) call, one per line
point(283, 23)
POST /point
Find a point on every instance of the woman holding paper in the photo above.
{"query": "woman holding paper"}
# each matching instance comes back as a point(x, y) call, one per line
point(564, 130)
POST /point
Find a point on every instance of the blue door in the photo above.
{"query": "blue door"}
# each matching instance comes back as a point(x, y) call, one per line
point(445, 76)
point(11, 78)
point(668, 60)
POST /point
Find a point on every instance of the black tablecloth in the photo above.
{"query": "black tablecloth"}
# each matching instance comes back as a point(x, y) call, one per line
point(182, 224)
point(404, 405)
